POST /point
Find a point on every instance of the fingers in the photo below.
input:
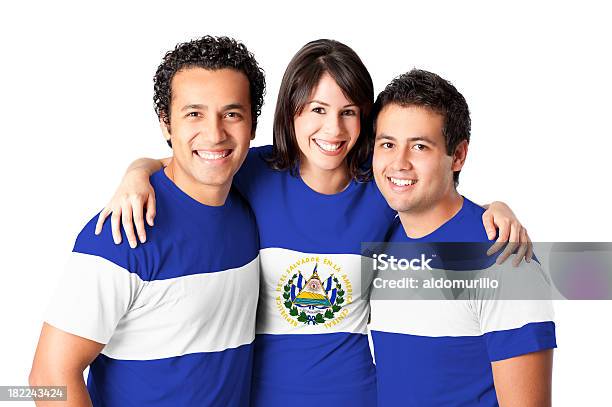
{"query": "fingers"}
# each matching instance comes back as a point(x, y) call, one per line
point(127, 215)
point(101, 218)
point(137, 210)
point(151, 209)
point(487, 220)
point(523, 247)
point(512, 244)
point(529, 254)
point(116, 225)
point(126, 209)
point(128, 226)
point(504, 234)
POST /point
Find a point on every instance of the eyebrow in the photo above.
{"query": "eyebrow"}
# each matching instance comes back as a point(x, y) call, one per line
point(417, 138)
point(231, 106)
point(327, 104)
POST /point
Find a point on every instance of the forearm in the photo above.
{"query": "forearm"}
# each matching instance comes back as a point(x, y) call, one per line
point(76, 392)
point(148, 165)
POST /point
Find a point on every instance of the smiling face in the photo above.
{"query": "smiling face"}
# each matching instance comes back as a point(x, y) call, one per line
point(327, 127)
point(210, 126)
point(411, 166)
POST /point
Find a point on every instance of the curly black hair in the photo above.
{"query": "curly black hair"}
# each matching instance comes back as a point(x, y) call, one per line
point(426, 89)
point(210, 53)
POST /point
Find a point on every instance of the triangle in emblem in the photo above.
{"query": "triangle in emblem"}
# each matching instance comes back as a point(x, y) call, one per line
point(313, 293)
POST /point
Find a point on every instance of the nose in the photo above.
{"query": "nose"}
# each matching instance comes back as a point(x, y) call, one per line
point(401, 160)
point(333, 125)
point(213, 130)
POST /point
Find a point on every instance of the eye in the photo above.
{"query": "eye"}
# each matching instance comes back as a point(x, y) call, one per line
point(387, 145)
point(193, 114)
point(349, 112)
point(319, 110)
point(420, 147)
point(233, 115)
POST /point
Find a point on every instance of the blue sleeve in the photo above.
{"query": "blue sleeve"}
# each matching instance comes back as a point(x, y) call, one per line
point(533, 337)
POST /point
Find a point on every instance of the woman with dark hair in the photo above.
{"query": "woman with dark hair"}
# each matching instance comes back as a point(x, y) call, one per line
point(315, 203)
point(339, 66)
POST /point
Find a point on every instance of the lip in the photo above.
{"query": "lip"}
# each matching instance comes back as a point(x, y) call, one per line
point(402, 188)
point(210, 155)
point(330, 153)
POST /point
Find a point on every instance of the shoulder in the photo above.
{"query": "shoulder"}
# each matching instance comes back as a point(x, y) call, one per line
point(470, 222)
point(254, 167)
point(369, 194)
point(258, 156)
point(260, 151)
point(471, 208)
point(103, 246)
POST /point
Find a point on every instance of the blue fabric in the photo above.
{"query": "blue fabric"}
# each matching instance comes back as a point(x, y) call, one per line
point(427, 371)
point(515, 342)
point(432, 371)
point(200, 379)
point(188, 238)
point(465, 226)
point(307, 369)
point(291, 215)
point(301, 369)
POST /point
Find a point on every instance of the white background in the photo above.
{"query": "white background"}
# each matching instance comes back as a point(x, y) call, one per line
point(76, 109)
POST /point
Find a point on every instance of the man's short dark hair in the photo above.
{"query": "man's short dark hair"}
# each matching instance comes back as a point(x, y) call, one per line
point(209, 53)
point(426, 89)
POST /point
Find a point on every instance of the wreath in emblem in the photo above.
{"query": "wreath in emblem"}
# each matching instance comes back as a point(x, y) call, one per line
point(311, 308)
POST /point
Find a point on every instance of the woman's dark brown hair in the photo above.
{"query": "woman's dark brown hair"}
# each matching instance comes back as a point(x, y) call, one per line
point(300, 79)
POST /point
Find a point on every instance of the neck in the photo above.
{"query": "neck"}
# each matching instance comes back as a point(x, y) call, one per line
point(210, 195)
point(326, 182)
point(418, 223)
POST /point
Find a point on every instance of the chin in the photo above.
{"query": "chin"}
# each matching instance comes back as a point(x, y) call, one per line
point(214, 180)
point(328, 164)
point(400, 206)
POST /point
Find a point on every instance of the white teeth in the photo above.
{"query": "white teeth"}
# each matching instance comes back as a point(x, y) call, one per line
point(402, 182)
point(328, 146)
point(208, 155)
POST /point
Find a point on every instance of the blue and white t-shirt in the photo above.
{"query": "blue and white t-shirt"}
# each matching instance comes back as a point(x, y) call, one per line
point(311, 346)
point(439, 352)
point(176, 314)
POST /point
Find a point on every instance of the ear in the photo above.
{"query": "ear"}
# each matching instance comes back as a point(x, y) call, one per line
point(165, 128)
point(460, 155)
point(253, 130)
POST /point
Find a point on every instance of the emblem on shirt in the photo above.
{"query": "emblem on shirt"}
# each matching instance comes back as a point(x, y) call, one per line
point(314, 293)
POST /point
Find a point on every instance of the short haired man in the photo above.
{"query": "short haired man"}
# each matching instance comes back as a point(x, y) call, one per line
point(469, 352)
point(172, 322)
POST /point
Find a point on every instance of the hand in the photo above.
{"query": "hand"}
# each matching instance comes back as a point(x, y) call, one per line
point(127, 205)
point(499, 215)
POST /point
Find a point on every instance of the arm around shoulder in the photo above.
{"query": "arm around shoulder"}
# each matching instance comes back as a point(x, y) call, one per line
point(134, 195)
point(149, 165)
